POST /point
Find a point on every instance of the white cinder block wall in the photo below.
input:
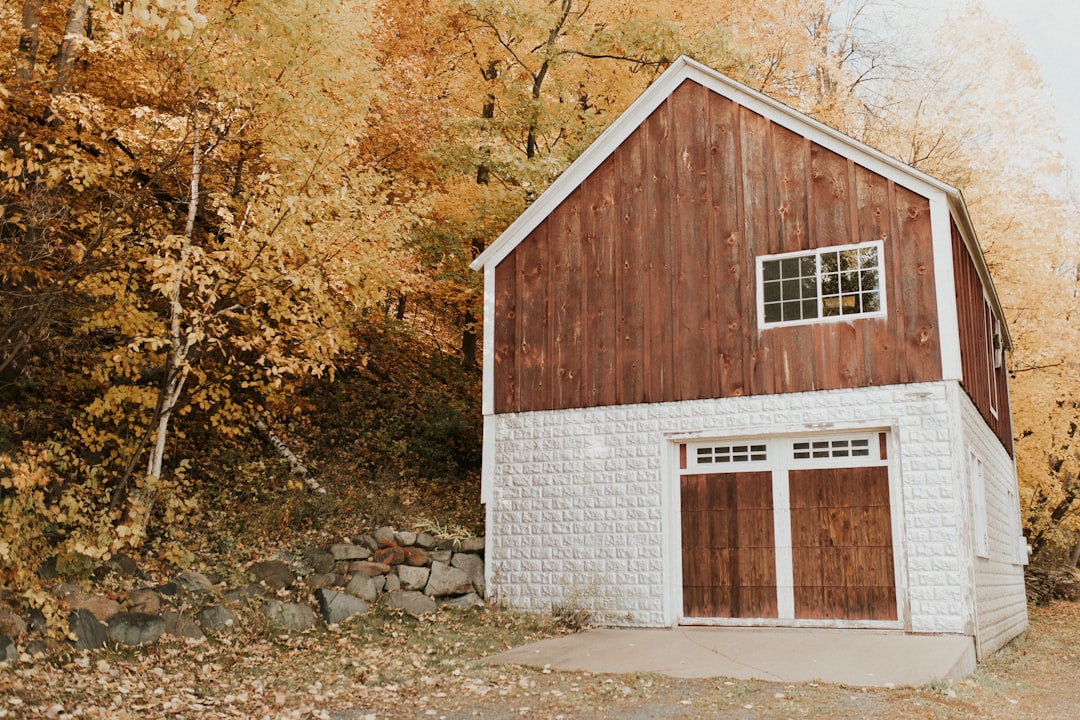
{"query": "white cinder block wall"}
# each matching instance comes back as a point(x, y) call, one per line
point(998, 577)
point(582, 504)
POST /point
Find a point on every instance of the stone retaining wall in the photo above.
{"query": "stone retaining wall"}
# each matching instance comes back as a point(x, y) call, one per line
point(293, 591)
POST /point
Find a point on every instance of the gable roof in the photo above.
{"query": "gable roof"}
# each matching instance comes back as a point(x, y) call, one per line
point(685, 68)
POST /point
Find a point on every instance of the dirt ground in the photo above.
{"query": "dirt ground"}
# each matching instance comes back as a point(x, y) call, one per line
point(388, 666)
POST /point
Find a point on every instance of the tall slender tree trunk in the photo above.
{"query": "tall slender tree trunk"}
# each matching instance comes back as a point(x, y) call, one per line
point(74, 34)
point(26, 60)
point(182, 338)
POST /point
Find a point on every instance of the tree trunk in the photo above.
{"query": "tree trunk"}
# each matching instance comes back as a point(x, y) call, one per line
point(28, 40)
point(182, 339)
point(74, 34)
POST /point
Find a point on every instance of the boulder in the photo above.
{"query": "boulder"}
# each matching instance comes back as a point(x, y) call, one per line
point(274, 574)
point(348, 551)
point(193, 580)
point(8, 651)
point(362, 587)
point(371, 569)
point(416, 557)
point(337, 606)
point(11, 624)
point(294, 617)
point(316, 581)
point(442, 556)
point(367, 541)
point(181, 625)
point(86, 631)
point(411, 601)
point(405, 538)
point(134, 629)
point(389, 555)
point(413, 578)
point(473, 565)
point(425, 540)
point(217, 617)
point(447, 581)
point(144, 600)
point(471, 545)
point(102, 607)
point(465, 601)
point(385, 536)
point(321, 561)
point(393, 583)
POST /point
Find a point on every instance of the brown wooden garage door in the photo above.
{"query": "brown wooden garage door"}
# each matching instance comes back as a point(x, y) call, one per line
point(729, 554)
point(841, 536)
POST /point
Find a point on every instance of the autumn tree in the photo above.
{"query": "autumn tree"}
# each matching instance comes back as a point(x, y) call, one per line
point(226, 234)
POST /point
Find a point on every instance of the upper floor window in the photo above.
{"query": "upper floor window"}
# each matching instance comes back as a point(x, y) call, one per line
point(829, 283)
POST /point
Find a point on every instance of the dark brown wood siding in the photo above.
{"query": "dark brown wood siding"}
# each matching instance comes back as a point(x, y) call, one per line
point(729, 554)
point(641, 285)
point(987, 386)
point(841, 544)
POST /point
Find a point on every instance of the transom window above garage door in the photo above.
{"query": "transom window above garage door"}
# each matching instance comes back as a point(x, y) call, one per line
point(831, 283)
point(836, 450)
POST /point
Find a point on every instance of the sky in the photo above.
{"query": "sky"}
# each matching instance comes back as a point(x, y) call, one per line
point(1051, 30)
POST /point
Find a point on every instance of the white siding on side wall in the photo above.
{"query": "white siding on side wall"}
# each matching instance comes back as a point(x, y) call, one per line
point(581, 505)
point(1000, 602)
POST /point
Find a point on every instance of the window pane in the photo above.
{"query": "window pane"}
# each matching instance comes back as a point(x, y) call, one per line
point(868, 257)
point(772, 291)
point(871, 302)
point(829, 262)
point(789, 268)
point(792, 311)
point(772, 313)
point(830, 306)
point(809, 309)
point(850, 304)
point(809, 266)
point(849, 282)
point(770, 270)
point(809, 288)
point(791, 290)
point(869, 280)
point(830, 284)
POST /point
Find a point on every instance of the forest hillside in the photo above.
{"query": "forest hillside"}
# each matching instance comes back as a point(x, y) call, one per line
point(237, 232)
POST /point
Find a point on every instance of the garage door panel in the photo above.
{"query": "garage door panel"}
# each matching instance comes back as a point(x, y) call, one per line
point(853, 548)
point(729, 558)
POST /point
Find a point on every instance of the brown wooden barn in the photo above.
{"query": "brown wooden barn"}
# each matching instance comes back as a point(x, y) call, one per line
point(741, 369)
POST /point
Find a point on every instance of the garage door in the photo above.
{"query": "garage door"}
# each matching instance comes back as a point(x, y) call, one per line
point(841, 543)
point(729, 557)
point(787, 528)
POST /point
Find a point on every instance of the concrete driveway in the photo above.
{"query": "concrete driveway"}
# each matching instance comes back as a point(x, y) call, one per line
point(862, 658)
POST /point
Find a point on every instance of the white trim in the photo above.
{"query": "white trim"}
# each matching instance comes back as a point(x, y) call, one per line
point(945, 287)
point(779, 463)
point(487, 469)
point(671, 528)
point(760, 260)
point(488, 390)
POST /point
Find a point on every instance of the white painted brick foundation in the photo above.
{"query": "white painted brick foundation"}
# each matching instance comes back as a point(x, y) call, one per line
point(582, 504)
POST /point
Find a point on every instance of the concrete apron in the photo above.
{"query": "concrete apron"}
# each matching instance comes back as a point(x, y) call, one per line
point(862, 658)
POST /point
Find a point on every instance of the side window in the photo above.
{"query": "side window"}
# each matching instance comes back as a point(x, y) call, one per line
point(994, 354)
point(978, 496)
point(827, 284)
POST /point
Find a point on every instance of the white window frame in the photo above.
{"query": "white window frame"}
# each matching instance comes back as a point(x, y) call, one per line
point(994, 353)
point(881, 312)
point(981, 525)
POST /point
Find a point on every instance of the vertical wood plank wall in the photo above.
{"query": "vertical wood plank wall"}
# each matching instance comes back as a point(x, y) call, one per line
point(640, 286)
point(976, 352)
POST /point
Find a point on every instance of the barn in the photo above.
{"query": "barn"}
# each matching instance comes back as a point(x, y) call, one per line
point(741, 369)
